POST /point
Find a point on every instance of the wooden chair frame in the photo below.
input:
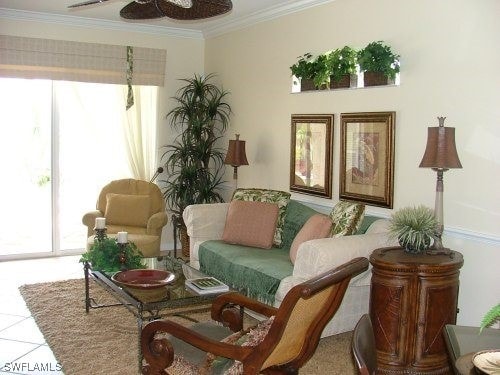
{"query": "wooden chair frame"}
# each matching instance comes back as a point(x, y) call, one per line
point(272, 355)
point(363, 346)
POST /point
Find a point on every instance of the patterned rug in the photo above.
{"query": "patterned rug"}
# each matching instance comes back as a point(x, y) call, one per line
point(105, 341)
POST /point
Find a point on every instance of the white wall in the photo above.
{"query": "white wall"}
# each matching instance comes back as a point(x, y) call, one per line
point(185, 56)
point(449, 67)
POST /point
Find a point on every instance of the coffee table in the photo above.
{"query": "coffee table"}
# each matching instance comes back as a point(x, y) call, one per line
point(178, 301)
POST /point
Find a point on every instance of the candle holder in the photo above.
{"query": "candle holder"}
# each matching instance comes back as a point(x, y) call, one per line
point(122, 256)
point(100, 234)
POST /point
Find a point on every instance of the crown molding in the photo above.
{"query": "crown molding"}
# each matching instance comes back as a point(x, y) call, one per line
point(261, 16)
point(93, 23)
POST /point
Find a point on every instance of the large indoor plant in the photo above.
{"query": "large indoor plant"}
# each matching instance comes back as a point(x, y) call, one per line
point(194, 163)
point(378, 63)
point(414, 228)
point(342, 63)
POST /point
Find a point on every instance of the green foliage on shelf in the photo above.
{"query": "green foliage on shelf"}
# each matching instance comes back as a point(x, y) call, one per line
point(314, 69)
point(414, 227)
point(342, 61)
point(378, 57)
point(106, 255)
point(492, 316)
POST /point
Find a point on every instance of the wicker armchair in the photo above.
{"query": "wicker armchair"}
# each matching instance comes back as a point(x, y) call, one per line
point(292, 336)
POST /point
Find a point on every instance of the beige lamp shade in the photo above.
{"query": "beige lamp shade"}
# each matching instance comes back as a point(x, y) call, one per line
point(441, 151)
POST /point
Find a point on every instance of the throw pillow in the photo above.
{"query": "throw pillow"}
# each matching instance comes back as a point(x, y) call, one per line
point(317, 226)
point(251, 224)
point(346, 217)
point(127, 209)
point(281, 198)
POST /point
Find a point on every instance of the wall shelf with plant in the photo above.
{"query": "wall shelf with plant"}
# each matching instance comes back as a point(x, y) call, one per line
point(345, 67)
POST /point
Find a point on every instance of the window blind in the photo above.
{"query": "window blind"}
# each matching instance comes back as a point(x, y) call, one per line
point(22, 57)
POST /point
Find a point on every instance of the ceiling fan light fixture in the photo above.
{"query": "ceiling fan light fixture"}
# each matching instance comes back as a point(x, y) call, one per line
point(182, 3)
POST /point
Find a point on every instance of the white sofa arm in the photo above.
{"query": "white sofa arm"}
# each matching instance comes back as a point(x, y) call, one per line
point(203, 222)
point(317, 256)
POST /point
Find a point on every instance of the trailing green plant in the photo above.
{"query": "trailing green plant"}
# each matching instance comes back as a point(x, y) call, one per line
point(107, 256)
point(492, 316)
point(342, 62)
point(414, 227)
point(194, 163)
point(378, 57)
point(303, 68)
point(315, 69)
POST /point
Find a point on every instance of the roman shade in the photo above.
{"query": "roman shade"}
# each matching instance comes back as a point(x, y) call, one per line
point(22, 57)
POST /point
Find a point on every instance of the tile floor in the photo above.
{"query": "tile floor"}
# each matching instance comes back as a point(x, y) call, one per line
point(23, 349)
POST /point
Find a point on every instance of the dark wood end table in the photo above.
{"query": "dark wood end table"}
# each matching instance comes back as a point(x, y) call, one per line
point(412, 297)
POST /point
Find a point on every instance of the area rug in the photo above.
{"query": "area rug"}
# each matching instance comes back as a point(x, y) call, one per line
point(104, 341)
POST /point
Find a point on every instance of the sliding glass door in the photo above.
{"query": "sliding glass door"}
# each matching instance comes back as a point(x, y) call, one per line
point(60, 143)
point(25, 154)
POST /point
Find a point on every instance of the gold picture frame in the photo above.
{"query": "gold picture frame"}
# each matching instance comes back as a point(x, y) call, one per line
point(311, 154)
point(367, 157)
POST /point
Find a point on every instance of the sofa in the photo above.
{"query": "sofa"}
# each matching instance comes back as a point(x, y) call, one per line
point(205, 226)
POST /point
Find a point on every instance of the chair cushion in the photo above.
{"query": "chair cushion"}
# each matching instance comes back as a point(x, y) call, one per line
point(251, 224)
point(127, 209)
point(318, 226)
point(346, 218)
point(281, 198)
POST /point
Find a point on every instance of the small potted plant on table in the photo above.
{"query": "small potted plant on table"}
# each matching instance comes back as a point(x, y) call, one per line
point(378, 63)
point(414, 227)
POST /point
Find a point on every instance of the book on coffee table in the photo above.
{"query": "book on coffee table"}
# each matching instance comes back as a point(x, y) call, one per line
point(206, 285)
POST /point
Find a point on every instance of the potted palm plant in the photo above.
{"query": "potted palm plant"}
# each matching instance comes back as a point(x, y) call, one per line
point(194, 163)
point(414, 228)
point(342, 63)
point(378, 63)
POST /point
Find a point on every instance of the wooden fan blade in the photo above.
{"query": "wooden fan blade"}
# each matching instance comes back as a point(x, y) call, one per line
point(141, 11)
point(86, 3)
point(200, 9)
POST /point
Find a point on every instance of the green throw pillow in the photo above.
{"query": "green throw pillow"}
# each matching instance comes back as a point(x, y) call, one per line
point(346, 217)
point(281, 198)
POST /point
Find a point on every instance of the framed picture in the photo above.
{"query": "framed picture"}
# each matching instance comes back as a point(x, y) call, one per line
point(311, 155)
point(367, 157)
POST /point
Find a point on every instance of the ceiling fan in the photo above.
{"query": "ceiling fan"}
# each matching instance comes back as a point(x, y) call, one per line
point(176, 9)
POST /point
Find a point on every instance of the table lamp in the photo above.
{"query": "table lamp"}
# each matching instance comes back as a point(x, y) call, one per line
point(236, 156)
point(440, 155)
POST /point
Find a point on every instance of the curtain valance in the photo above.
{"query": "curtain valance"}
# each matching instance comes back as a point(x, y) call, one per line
point(22, 57)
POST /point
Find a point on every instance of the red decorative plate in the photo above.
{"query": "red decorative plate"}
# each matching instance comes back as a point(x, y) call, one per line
point(143, 278)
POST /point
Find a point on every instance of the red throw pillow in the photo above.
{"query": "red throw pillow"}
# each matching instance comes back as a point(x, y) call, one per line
point(317, 226)
point(251, 223)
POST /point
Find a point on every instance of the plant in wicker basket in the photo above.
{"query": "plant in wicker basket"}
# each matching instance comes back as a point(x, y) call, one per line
point(108, 256)
point(313, 70)
point(194, 163)
point(342, 62)
point(378, 58)
point(414, 227)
